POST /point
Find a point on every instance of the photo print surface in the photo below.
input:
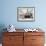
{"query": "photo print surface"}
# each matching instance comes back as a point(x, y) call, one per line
point(26, 13)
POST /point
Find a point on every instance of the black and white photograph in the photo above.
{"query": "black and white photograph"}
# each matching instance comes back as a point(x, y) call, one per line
point(26, 13)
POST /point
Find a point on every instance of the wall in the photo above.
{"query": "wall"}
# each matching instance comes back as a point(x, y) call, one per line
point(9, 13)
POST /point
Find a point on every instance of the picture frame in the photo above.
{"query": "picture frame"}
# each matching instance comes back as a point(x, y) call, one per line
point(26, 14)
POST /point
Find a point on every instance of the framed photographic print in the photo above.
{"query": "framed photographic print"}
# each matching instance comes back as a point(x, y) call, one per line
point(26, 14)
